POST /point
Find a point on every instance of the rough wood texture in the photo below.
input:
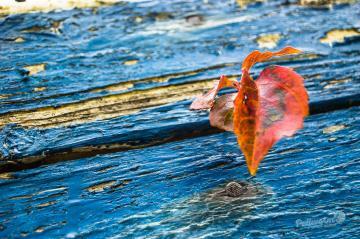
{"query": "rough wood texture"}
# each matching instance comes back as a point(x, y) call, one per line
point(167, 190)
point(26, 6)
point(113, 78)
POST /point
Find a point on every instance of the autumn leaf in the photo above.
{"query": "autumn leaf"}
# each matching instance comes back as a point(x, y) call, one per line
point(268, 109)
point(263, 111)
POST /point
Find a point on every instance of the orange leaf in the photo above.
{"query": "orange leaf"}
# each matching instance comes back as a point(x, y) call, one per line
point(268, 109)
point(246, 105)
point(206, 101)
point(257, 56)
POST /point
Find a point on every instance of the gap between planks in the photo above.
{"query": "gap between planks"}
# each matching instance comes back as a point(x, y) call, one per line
point(168, 134)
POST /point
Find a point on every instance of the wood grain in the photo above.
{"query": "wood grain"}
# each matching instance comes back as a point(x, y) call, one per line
point(171, 185)
point(116, 83)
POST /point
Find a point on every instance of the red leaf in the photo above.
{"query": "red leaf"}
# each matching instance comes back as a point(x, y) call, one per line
point(268, 109)
point(221, 114)
point(263, 111)
point(206, 101)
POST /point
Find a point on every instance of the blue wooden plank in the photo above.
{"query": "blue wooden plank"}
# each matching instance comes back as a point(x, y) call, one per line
point(167, 190)
point(27, 148)
point(81, 62)
point(80, 103)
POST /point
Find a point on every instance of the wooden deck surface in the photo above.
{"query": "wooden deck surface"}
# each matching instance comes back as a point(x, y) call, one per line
point(124, 194)
point(109, 88)
point(73, 88)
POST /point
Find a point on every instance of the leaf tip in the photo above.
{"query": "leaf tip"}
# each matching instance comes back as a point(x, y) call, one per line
point(291, 50)
point(253, 170)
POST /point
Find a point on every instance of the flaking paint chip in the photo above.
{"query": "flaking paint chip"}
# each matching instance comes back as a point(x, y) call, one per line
point(138, 19)
point(40, 229)
point(6, 176)
point(101, 186)
point(268, 41)
point(16, 7)
point(39, 89)
point(244, 3)
point(130, 62)
point(35, 69)
point(19, 40)
point(333, 129)
point(338, 36)
point(46, 204)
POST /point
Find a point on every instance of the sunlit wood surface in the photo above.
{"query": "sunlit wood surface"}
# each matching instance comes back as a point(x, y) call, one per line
point(94, 103)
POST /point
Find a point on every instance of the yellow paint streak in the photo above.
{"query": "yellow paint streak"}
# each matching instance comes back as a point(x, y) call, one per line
point(13, 7)
point(34, 69)
point(106, 107)
point(116, 87)
point(46, 204)
point(40, 229)
point(138, 19)
point(333, 129)
point(21, 197)
point(6, 176)
point(39, 89)
point(101, 186)
point(19, 40)
point(268, 41)
point(4, 96)
point(130, 62)
point(321, 3)
point(339, 36)
point(333, 83)
point(244, 3)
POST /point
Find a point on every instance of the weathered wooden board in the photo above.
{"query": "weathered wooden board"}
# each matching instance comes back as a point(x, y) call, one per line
point(165, 191)
point(98, 76)
point(82, 60)
point(129, 132)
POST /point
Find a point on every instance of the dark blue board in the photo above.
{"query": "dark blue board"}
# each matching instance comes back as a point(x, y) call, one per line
point(85, 50)
point(88, 48)
point(165, 191)
point(307, 185)
point(28, 148)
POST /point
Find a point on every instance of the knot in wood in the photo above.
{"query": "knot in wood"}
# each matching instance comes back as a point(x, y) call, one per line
point(235, 189)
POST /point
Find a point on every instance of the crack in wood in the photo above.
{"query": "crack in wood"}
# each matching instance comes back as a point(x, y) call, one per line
point(168, 134)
